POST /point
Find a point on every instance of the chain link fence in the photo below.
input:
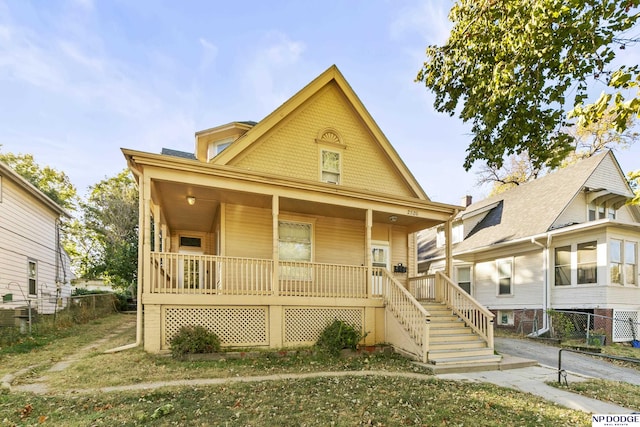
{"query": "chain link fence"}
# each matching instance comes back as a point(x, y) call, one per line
point(590, 328)
point(15, 323)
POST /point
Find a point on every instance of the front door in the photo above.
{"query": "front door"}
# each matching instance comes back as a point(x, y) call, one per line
point(379, 259)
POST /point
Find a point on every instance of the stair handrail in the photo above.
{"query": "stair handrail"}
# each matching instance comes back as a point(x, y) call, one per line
point(409, 312)
point(474, 314)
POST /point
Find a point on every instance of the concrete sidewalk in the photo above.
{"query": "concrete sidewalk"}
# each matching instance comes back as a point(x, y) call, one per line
point(532, 380)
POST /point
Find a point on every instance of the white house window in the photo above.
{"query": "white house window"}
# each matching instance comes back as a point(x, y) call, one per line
point(600, 211)
point(587, 263)
point(615, 261)
point(457, 232)
point(32, 275)
point(505, 317)
point(294, 244)
point(563, 266)
point(218, 147)
point(505, 275)
point(330, 167)
point(463, 278)
point(630, 263)
point(440, 240)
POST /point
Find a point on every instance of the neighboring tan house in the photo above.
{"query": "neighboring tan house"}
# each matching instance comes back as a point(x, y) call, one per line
point(272, 230)
point(566, 241)
point(34, 269)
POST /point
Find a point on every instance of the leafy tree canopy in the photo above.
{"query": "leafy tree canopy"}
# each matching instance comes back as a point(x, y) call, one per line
point(513, 69)
point(55, 184)
point(111, 221)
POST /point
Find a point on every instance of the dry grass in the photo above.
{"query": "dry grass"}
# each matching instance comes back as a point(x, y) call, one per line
point(344, 401)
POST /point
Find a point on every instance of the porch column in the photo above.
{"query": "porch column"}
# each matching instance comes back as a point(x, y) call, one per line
point(448, 251)
point(145, 217)
point(275, 211)
point(367, 248)
point(157, 228)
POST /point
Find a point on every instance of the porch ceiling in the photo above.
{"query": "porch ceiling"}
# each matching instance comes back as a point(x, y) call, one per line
point(180, 215)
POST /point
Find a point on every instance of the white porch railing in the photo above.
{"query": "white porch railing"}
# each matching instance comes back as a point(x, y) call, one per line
point(475, 315)
point(404, 306)
point(423, 287)
point(178, 273)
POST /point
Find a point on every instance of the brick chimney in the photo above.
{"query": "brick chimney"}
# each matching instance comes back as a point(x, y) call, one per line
point(466, 200)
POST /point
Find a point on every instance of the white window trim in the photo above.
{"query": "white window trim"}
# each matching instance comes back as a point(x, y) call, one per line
point(508, 314)
point(214, 147)
point(322, 170)
point(623, 262)
point(471, 273)
point(35, 279)
point(511, 293)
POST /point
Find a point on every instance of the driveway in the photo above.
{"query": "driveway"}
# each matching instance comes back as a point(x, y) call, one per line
point(573, 362)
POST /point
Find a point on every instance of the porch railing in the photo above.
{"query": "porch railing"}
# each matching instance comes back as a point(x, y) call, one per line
point(178, 273)
point(475, 315)
point(423, 287)
point(406, 309)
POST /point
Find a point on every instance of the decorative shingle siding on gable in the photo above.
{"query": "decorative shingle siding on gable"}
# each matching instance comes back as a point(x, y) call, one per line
point(291, 150)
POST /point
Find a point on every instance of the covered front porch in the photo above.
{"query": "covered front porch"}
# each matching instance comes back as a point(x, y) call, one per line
point(267, 262)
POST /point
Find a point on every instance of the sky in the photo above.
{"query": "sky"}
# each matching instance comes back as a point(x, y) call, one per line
point(80, 79)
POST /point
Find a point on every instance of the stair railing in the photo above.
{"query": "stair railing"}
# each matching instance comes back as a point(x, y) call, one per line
point(474, 314)
point(406, 309)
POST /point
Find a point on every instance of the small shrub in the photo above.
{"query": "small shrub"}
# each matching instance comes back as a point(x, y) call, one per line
point(337, 336)
point(194, 339)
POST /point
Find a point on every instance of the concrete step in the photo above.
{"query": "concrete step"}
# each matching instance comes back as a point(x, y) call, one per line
point(470, 336)
point(478, 365)
point(458, 345)
point(460, 353)
point(467, 361)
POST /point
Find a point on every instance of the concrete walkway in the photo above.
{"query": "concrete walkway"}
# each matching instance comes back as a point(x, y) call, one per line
point(533, 380)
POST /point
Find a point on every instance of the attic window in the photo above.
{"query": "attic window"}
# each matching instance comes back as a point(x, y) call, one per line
point(217, 147)
point(330, 167)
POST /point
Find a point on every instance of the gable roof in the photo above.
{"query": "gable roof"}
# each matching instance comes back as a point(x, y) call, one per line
point(527, 210)
point(331, 76)
point(6, 170)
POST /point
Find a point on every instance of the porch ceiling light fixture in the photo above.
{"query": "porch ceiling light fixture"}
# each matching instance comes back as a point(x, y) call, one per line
point(393, 218)
point(191, 200)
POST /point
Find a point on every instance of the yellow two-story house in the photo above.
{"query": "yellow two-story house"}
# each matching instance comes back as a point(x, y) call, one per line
point(271, 230)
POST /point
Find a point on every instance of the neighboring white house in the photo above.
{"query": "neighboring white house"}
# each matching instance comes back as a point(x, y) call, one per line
point(566, 241)
point(34, 269)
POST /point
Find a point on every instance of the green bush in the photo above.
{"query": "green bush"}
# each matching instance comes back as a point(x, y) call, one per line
point(194, 339)
point(337, 336)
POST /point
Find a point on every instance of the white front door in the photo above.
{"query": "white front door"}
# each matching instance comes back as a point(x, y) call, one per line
point(190, 271)
point(379, 259)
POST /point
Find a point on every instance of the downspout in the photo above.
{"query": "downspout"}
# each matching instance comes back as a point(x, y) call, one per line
point(546, 291)
point(139, 329)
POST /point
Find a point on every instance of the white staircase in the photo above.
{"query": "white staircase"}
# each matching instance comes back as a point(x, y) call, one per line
point(451, 342)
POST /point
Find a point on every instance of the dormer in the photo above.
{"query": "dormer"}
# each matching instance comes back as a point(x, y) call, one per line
point(211, 142)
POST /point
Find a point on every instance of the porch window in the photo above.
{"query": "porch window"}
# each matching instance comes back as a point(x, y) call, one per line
point(630, 263)
point(294, 244)
point(615, 261)
point(587, 263)
point(330, 167)
point(505, 275)
point(563, 266)
point(32, 274)
point(463, 277)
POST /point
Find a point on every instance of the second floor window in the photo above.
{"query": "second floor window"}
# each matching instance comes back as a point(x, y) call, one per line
point(330, 167)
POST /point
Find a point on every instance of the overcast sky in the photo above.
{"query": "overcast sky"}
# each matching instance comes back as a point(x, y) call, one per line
point(79, 79)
